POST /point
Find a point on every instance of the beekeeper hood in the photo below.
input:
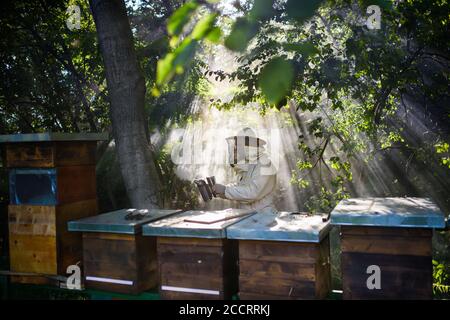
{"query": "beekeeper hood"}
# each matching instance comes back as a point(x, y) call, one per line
point(245, 149)
point(257, 176)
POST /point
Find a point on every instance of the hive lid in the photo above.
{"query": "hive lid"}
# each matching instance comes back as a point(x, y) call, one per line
point(388, 212)
point(115, 222)
point(53, 136)
point(282, 226)
point(197, 224)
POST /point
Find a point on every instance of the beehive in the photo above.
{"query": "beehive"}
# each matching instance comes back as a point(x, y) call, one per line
point(195, 259)
point(116, 257)
point(386, 247)
point(283, 256)
point(51, 181)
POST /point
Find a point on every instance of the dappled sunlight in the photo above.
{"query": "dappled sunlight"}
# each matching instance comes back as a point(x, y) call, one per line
point(199, 149)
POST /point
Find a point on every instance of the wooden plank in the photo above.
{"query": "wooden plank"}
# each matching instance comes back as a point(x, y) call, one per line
point(147, 264)
point(190, 241)
point(277, 286)
point(38, 222)
point(109, 236)
point(259, 296)
point(69, 244)
point(193, 251)
point(402, 276)
point(172, 295)
point(189, 256)
point(211, 267)
point(282, 270)
point(187, 266)
point(76, 183)
point(384, 231)
point(196, 281)
point(33, 280)
point(288, 269)
point(75, 153)
point(32, 239)
point(3, 154)
point(110, 259)
point(110, 269)
point(278, 251)
point(323, 270)
point(111, 251)
point(32, 220)
point(358, 293)
point(112, 287)
point(230, 268)
point(120, 257)
point(34, 155)
point(36, 254)
point(50, 154)
point(417, 246)
point(205, 264)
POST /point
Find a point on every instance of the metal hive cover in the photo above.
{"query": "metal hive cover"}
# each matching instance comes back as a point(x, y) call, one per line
point(282, 226)
point(177, 226)
point(388, 212)
point(115, 222)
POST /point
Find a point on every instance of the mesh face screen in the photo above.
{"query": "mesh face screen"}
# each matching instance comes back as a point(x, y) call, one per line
point(239, 149)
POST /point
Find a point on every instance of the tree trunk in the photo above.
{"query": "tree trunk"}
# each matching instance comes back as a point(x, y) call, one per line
point(126, 87)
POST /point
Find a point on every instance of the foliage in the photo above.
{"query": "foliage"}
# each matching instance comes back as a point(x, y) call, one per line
point(441, 279)
point(183, 49)
point(52, 78)
point(350, 78)
point(442, 148)
point(177, 193)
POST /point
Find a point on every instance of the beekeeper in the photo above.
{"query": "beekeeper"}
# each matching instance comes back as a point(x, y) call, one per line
point(255, 172)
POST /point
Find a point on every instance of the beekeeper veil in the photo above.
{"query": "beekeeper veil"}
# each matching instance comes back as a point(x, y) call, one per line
point(245, 149)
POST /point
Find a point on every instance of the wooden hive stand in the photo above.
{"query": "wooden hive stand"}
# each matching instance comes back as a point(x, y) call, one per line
point(386, 247)
point(51, 181)
point(283, 256)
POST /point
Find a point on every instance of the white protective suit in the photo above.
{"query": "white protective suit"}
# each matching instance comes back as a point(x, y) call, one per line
point(256, 182)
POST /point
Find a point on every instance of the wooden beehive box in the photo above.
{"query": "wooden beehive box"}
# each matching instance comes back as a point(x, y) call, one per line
point(283, 256)
point(116, 257)
point(51, 181)
point(195, 259)
point(392, 234)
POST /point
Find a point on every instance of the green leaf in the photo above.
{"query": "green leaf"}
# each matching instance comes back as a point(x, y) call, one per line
point(214, 35)
point(204, 26)
point(241, 33)
point(304, 165)
point(184, 54)
point(275, 79)
point(180, 17)
point(301, 10)
point(262, 9)
point(442, 147)
point(306, 49)
point(174, 62)
point(164, 68)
